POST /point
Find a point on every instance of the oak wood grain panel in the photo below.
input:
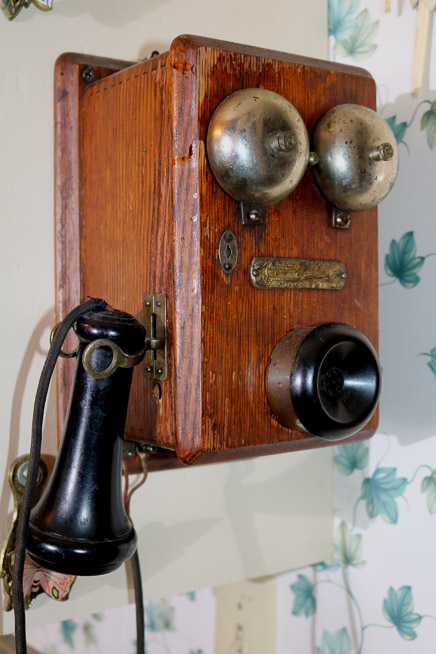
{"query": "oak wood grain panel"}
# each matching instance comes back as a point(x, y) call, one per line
point(127, 239)
point(187, 255)
point(241, 325)
point(68, 92)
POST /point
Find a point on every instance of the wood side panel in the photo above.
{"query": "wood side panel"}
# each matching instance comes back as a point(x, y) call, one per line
point(187, 255)
point(68, 92)
point(241, 325)
point(127, 239)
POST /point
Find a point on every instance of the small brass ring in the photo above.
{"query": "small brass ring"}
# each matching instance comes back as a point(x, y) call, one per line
point(64, 355)
point(118, 358)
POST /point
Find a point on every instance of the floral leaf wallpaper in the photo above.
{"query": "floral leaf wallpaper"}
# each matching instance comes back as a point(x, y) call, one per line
point(337, 643)
point(359, 45)
point(399, 129)
point(68, 627)
point(304, 602)
point(428, 486)
point(432, 363)
point(183, 624)
point(398, 609)
point(353, 32)
point(428, 124)
point(348, 547)
point(380, 492)
point(401, 262)
point(342, 20)
point(159, 616)
point(351, 457)
point(395, 606)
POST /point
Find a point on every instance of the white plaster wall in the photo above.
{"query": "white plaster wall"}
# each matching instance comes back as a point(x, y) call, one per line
point(207, 543)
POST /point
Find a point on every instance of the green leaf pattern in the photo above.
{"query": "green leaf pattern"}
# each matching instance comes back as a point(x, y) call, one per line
point(358, 45)
point(337, 643)
point(342, 22)
point(304, 601)
point(428, 486)
point(432, 363)
point(191, 595)
point(398, 609)
point(401, 262)
point(399, 129)
point(68, 629)
point(348, 547)
point(428, 124)
point(380, 492)
point(159, 616)
point(89, 634)
point(351, 457)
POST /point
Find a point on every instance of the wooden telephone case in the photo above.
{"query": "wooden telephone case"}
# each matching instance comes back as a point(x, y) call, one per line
point(138, 211)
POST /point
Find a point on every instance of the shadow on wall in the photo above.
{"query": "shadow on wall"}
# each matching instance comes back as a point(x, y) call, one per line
point(111, 14)
point(30, 357)
point(407, 248)
point(247, 497)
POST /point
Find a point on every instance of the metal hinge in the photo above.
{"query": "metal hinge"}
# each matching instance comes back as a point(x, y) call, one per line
point(154, 317)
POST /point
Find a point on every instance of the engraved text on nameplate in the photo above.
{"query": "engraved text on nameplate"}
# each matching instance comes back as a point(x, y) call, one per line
point(269, 272)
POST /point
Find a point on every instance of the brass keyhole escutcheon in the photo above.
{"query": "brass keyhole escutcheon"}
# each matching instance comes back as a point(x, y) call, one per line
point(228, 251)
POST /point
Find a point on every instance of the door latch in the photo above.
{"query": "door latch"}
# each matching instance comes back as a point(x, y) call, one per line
point(154, 318)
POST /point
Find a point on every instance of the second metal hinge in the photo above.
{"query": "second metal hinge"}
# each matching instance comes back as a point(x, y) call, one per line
point(154, 316)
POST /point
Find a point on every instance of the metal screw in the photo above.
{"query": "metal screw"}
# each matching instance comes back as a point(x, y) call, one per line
point(159, 371)
point(313, 159)
point(158, 303)
point(228, 236)
point(254, 216)
point(227, 266)
point(148, 303)
point(88, 74)
point(286, 141)
point(341, 219)
point(255, 273)
point(383, 152)
point(149, 369)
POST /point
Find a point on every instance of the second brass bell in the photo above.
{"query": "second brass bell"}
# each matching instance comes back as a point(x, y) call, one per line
point(358, 157)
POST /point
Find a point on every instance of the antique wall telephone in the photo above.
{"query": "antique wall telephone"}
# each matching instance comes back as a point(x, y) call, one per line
point(183, 197)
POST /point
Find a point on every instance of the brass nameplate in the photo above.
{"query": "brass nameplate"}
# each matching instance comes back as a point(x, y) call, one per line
point(268, 272)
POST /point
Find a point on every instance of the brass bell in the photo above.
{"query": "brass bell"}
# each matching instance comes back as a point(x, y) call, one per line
point(358, 157)
point(257, 146)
